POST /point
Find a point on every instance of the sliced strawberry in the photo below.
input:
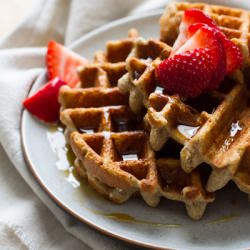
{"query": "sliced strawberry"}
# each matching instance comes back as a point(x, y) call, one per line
point(193, 16)
point(199, 65)
point(61, 62)
point(190, 17)
point(198, 35)
point(44, 103)
point(188, 73)
point(234, 57)
point(203, 36)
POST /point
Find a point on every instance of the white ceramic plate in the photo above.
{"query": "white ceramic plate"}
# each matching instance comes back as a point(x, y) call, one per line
point(226, 224)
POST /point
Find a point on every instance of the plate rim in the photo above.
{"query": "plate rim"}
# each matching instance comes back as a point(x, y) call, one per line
point(32, 169)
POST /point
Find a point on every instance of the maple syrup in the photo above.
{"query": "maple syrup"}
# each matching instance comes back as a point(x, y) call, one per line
point(130, 219)
point(65, 164)
point(187, 131)
point(233, 132)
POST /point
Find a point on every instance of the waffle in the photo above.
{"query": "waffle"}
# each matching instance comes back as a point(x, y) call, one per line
point(175, 184)
point(110, 142)
point(235, 23)
point(213, 128)
point(140, 80)
point(112, 150)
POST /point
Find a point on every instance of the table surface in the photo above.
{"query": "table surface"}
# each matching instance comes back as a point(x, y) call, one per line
point(12, 12)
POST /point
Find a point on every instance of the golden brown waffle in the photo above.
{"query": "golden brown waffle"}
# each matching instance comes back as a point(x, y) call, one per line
point(177, 185)
point(103, 157)
point(141, 63)
point(235, 23)
point(110, 143)
point(116, 161)
point(214, 128)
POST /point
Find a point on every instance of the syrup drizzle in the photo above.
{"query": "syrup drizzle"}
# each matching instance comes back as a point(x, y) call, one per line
point(65, 156)
point(122, 125)
point(106, 114)
point(86, 131)
point(106, 134)
point(65, 164)
point(187, 131)
point(57, 142)
point(159, 90)
point(234, 130)
point(137, 75)
point(72, 179)
point(129, 157)
point(130, 219)
point(223, 219)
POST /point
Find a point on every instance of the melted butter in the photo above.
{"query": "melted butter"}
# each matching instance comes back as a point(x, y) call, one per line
point(223, 219)
point(187, 131)
point(130, 219)
point(70, 156)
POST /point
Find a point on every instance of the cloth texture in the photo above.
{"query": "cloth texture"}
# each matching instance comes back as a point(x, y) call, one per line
point(29, 219)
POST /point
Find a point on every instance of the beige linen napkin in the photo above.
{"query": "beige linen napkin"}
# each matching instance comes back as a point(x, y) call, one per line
point(25, 221)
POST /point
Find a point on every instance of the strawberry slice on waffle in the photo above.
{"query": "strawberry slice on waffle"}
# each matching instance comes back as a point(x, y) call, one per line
point(202, 56)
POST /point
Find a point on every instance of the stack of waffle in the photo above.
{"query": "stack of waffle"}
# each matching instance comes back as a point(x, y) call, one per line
point(130, 137)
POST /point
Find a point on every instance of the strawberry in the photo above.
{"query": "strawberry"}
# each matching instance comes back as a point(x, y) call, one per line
point(204, 36)
point(190, 17)
point(234, 58)
point(61, 62)
point(193, 16)
point(199, 64)
point(44, 104)
point(188, 73)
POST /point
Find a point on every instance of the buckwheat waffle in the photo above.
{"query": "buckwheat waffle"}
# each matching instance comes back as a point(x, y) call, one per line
point(110, 143)
point(111, 149)
point(175, 184)
point(235, 23)
point(140, 80)
point(214, 128)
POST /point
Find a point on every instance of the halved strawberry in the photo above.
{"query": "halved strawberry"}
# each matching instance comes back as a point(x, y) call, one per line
point(199, 64)
point(234, 57)
point(204, 36)
point(193, 16)
point(44, 103)
point(62, 62)
point(188, 73)
point(190, 17)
